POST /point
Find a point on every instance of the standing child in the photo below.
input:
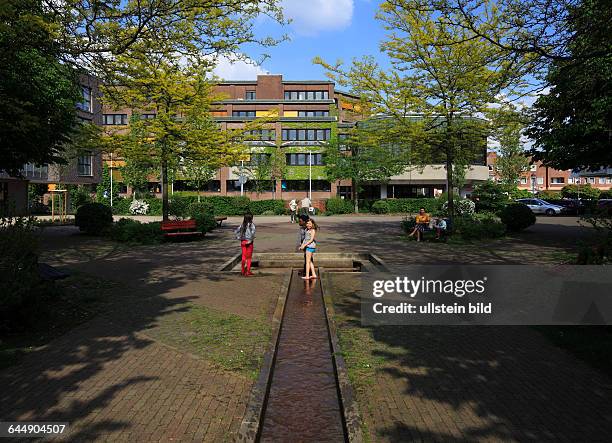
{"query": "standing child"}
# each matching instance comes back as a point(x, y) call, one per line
point(310, 247)
point(246, 234)
point(293, 206)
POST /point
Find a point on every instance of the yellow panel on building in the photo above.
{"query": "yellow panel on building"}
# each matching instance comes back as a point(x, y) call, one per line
point(267, 113)
point(290, 114)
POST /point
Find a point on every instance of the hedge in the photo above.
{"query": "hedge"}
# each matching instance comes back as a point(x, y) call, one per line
point(411, 205)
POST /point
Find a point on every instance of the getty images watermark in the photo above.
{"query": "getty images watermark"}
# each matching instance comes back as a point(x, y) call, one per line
point(503, 295)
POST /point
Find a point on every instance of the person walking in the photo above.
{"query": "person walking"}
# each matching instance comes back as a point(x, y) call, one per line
point(310, 247)
point(293, 206)
point(302, 220)
point(305, 205)
point(246, 234)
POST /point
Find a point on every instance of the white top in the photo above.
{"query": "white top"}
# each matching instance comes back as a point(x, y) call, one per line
point(305, 202)
point(293, 205)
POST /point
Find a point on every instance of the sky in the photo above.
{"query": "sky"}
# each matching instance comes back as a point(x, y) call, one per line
point(332, 29)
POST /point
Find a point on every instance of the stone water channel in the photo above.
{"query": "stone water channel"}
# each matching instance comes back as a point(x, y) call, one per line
point(300, 400)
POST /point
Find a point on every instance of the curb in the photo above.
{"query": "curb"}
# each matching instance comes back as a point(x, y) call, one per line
point(350, 410)
point(250, 426)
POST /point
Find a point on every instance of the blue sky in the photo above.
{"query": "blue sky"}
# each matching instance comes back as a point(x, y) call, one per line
point(332, 29)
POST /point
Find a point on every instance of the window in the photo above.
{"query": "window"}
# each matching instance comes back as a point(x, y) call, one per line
point(523, 180)
point(85, 105)
point(251, 186)
point(608, 180)
point(602, 180)
point(34, 171)
point(304, 159)
point(147, 116)
point(533, 168)
point(540, 180)
point(306, 95)
point(243, 113)
point(260, 134)
point(591, 180)
point(84, 165)
point(305, 185)
point(557, 180)
point(306, 134)
point(259, 159)
point(313, 113)
point(115, 119)
point(250, 95)
point(344, 192)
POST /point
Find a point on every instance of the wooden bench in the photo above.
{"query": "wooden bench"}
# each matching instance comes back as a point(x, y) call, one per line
point(219, 220)
point(177, 228)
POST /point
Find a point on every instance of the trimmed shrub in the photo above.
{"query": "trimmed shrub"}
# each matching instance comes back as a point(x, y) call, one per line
point(476, 228)
point(550, 195)
point(121, 206)
point(606, 194)
point(337, 205)
point(275, 207)
point(21, 289)
point(179, 206)
point(128, 230)
point(516, 193)
point(79, 196)
point(408, 224)
point(93, 218)
point(203, 214)
point(517, 216)
point(580, 191)
point(491, 196)
point(380, 207)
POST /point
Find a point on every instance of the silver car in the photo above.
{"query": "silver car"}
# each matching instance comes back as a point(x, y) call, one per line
point(539, 206)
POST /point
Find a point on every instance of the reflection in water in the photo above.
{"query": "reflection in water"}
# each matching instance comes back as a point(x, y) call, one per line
point(303, 403)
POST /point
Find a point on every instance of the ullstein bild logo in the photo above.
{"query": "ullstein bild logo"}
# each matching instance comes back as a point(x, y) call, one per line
point(411, 288)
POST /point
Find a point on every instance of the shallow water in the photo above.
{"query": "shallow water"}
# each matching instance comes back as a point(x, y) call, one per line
point(303, 403)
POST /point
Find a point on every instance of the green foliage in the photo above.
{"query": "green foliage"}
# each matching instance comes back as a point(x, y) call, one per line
point(121, 206)
point(203, 214)
point(491, 196)
point(337, 205)
point(606, 194)
point(268, 213)
point(571, 125)
point(479, 227)
point(38, 92)
point(131, 231)
point(93, 218)
point(103, 190)
point(586, 192)
point(79, 195)
point(136, 173)
point(21, 288)
point(277, 207)
point(517, 216)
point(507, 125)
point(412, 205)
point(380, 207)
point(550, 195)
point(408, 224)
point(516, 193)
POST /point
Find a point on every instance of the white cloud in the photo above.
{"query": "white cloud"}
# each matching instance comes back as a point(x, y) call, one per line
point(313, 16)
point(227, 69)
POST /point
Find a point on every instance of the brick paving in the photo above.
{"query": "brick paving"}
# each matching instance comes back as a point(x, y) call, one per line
point(115, 383)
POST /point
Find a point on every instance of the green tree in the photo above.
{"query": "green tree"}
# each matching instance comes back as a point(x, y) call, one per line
point(572, 125)
point(373, 151)
point(37, 92)
point(103, 190)
point(447, 84)
point(507, 126)
point(580, 191)
point(198, 173)
point(136, 174)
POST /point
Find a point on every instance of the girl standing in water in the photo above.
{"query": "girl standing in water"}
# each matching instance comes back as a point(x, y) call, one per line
point(310, 247)
point(246, 234)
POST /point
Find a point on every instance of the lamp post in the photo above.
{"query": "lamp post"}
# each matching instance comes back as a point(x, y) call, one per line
point(241, 178)
point(533, 184)
point(111, 179)
point(310, 175)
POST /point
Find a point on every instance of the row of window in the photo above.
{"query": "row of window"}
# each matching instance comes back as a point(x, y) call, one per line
point(306, 134)
point(298, 159)
point(260, 134)
point(306, 95)
point(571, 180)
point(313, 113)
point(243, 113)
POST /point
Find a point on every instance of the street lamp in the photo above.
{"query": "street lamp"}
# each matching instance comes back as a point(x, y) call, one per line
point(111, 179)
point(533, 184)
point(310, 175)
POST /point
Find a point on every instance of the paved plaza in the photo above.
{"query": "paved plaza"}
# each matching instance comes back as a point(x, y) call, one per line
point(137, 370)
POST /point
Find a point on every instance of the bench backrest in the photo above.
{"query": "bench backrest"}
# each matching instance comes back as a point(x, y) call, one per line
point(178, 224)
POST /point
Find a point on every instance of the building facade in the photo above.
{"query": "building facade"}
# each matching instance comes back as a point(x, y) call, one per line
point(540, 178)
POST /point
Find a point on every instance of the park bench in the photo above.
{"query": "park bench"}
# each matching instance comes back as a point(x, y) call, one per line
point(219, 220)
point(178, 228)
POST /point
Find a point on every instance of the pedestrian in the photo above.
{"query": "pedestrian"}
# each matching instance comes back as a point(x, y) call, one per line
point(302, 220)
point(440, 226)
point(310, 247)
point(422, 222)
point(246, 234)
point(305, 205)
point(293, 206)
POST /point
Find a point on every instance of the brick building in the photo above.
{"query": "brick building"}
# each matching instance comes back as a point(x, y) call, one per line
point(543, 178)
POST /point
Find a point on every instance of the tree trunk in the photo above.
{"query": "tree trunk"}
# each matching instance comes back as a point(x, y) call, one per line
point(164, 177)
point(449, 185)
point(354, 195)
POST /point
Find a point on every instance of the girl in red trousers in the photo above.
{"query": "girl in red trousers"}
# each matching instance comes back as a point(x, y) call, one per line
point(246, 234)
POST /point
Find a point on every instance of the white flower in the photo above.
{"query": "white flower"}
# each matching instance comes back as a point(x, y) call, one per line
point(139, 207)
point(463, 206)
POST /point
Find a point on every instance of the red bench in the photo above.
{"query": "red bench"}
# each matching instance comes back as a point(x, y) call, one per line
point(179, 228)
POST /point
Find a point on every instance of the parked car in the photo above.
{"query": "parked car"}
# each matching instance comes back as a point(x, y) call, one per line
point(571, 206)
point(539, 206)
